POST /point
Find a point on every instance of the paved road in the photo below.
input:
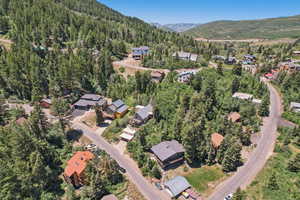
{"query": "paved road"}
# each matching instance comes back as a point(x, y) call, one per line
point(146, 189)
point(246, 174)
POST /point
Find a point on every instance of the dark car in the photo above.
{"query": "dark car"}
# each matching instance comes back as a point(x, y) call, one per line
point(122, 170)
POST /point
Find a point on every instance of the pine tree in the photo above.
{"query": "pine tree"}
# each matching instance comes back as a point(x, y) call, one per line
point(99, 115)
point(232, 159)
point(239, 195)
point(272, 182)
point(235, 85)
point(264, 107)
point(294, 164)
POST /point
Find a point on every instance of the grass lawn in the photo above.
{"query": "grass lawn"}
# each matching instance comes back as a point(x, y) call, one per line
point(205, 178)
point(288, 182)
point(292, 116)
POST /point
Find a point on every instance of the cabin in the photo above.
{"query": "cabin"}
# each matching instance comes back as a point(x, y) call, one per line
point(185, 56)
point(216, 140)
point(46, 103)
point(143, 114)
point(140, 52)
point(128, 134)
point(88, 101)
point(168, 153)
point(117, 109)
point(295, 107)
point(176, 186)
point(74, 171)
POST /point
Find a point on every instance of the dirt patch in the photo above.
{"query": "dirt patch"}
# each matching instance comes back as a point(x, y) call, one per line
point(133, 193)
point(83, 141)
point(90, 120)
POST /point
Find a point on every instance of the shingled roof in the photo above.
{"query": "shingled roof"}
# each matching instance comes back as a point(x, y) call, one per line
point(165, 150)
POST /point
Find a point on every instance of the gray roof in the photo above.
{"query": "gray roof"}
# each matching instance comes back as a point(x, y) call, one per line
point(118, 103)
point(93, 97)
point(177, 185)
point(182, 54)
point(194, 57)
point(165, 150)
point(145, 112)
point(295, 105)
point(82, 102)
point(122, 109)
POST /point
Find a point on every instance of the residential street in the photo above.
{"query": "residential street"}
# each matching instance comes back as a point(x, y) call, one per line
point(146, 189)
point(259, 157)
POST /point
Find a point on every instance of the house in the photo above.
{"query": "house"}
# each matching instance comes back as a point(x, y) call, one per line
point(250, 57)
point(251, 68)
point(217, 139)
point(87, 101)
point(46, 103)
point(295, 107)
point(185, 56)
point(256, 101)
point(118, 109)
point(127, 134)
point(230, 60)
point(157, 76)
point(234, 117)
point(184, 77)
point(74, 171)
point(142, 115)
point(296, 53)
point(176, 186)
point(168, 153)
point(242, 96)
point(109, 197)
point(140, 52)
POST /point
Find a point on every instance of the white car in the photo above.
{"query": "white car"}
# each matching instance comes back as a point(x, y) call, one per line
point(228, 197)
point(90, 146)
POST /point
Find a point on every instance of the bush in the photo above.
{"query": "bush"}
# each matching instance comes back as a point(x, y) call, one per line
point(122, 69)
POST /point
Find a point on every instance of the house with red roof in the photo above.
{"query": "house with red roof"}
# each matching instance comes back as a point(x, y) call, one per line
point(74, 171)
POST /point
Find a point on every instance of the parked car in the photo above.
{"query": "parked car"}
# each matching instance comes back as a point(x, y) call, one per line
point(123, 170)
point(158, 185)
point(90, 146)
point(228, 197)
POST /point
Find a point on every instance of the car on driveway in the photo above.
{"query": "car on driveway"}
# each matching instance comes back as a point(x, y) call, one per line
point(90, 147)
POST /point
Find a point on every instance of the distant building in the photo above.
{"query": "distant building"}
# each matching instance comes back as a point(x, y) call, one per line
point(142, 115)
point(295, 107)
point(234, 117)
point(46, 103)
point(184, 77)
point(117, 109)
point(176, 186)
point(230, 61)
point(296, 53)
point(186, 56)
point(74, 171)
point(140, 52)
point(88, 101)
point(217, 139)
point(157, 76)
point(168, 153)
point(250, 68)
point(242, 96)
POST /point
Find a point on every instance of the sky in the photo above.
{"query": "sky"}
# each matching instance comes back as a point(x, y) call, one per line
point(202, 11)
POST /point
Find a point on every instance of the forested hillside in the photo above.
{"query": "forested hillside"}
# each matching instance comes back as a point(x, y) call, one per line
point(284, 27)
point(68, 45)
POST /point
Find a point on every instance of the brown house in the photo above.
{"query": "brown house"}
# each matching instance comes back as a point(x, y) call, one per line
point(74, 172)
point(168, 153)
point(216, 139)
point(234, 117)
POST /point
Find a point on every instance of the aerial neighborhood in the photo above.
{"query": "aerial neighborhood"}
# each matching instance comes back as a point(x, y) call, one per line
point(102, 106)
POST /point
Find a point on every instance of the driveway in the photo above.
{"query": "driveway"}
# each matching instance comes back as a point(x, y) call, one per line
point(133, 173)
point(246, 174)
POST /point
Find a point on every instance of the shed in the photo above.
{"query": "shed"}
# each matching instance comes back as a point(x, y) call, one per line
point(176, 186)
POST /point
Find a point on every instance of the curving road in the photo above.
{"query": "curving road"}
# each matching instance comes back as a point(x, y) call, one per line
point(246, 174)
point(146, 189)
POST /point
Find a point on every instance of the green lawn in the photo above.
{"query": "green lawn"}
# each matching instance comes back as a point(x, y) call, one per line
point(292, 116)
point(202, 177)
point(288, 182)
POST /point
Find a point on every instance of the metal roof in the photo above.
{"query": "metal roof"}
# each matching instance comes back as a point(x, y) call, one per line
point(295, 105)
point(144, 113)
point(177, 185)
point(93, 97)
point(118, 103)
point(165, 150)
point(122, 109)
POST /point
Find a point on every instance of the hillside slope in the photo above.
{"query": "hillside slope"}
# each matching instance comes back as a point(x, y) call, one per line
point(69, 45)
point(274, 28)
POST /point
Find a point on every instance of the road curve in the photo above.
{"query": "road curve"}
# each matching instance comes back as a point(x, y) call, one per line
point(146, 189)
point(246, 174)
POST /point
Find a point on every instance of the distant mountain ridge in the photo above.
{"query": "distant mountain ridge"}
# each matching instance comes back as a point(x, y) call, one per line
point(271, 28)
point(179, 27)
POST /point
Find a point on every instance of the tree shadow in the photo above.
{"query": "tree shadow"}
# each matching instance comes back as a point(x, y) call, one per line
point(74, 135)
point(103, 125)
